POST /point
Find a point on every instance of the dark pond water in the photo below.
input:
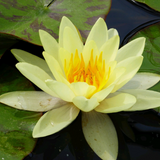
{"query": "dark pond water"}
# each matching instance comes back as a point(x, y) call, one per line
point(139, 134)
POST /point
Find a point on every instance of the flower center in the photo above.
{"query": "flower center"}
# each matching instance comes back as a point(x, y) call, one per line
point(94, 73)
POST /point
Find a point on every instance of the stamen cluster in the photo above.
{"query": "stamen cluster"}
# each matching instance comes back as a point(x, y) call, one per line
point(94, 73)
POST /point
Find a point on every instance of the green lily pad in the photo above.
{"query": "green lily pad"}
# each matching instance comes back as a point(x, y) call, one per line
point(151, 62)
point(23, 18)
point(154, 4)
point(15, 125)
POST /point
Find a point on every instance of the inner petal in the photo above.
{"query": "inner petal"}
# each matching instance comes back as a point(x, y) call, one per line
point(94, 73)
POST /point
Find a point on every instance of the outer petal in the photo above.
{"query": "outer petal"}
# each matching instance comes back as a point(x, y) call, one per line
point(31, 100)
point(65, 22)
point(23, 56)
point(83, 89)
point(145, 99)
point(36, 75)
point(131, 49)
point(98, 33)
point(142, 81)
point(117, 103)
point(50, 45)
point(132, 65)
point(112, 32)
point(55, 120)
point(110, 49)
point(100, 134)
point(61, 90)
point(71, 41)
point(85, 104)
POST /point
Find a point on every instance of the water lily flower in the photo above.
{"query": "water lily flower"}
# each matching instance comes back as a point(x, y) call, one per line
point(96, 78)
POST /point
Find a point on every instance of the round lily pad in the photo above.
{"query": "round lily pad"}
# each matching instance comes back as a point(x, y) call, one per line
point(23, 19)
point(151, 61)
point(15, 125)
point(153, 4)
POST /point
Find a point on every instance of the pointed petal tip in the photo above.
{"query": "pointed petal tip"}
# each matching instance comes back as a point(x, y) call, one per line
point(102, 21)
point(41, 31)
point(16, 51)
point(140, 40)
point(65, 19)
point(34, 135)
point(13, 51)
point(19, 64)
point(116, 37)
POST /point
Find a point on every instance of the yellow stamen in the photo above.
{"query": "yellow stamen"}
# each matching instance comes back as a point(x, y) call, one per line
point(94, 73)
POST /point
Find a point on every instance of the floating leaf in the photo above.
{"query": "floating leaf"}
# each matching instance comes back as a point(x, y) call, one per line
point(154, 4)
point(16, 132)
point(15, 125)
point(151, 62)
point(24, 18)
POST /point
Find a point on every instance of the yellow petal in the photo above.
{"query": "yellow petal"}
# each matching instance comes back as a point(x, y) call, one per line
point(83, 89)
point(64, 55)
point(50, 45)
point(85, 104)
point(142, 81)
point(23, 56)
point(65, 22)
point(145, 99)
point(91, 45)
point(100, 134)
point(110, 49)
point(131, 49)
point(37, 101)
point(71, 41)
point(131, 65)
point(35, 75)
point(115, 76)
point(117, 103)
point(98, 33)
point(55, 120)
point(101, 95)
point(55, 68)
point(61, 90)
point(112, 32)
